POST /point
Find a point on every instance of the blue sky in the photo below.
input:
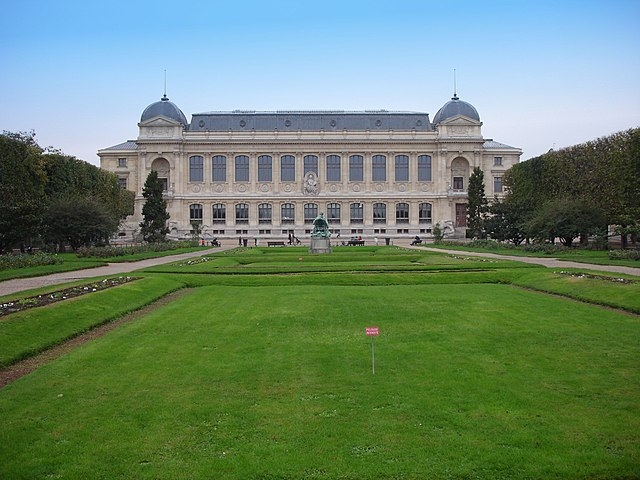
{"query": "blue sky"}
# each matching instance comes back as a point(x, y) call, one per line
point(542, 74)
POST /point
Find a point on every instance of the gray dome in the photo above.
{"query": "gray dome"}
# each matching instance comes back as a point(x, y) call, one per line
point(165, 108)
point(456, 107)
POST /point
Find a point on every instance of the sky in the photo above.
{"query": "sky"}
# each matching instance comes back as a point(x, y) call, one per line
point(542, 74)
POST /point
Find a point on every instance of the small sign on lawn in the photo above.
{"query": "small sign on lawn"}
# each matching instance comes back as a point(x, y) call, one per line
point(372, 332)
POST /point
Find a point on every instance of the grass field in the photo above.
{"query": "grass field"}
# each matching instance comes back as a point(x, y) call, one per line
point(262, 370)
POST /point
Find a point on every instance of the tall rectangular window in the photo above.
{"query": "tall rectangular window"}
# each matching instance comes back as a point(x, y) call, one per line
point(379, 168)
point(310, 164)
point(379, 213)
point(122, 181)
point(333, 168)
point(310, 212)
point(458, 183)
point(242, 168)
point(402, 168)
point(402, 213)
point(287, 213)
point(219, 168)
point(356, 213)
point(287, 168)
point(242, 213)
point(264, 213)
point(424, 168)
point(195, 213)
point(219, 213)
point(424, 213)
point(264, 168)
point(356, 168)
point(196, 168)
point(497, 184)
point(333, 213)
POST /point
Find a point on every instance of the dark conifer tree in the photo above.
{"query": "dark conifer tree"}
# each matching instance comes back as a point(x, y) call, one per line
point(154, 212)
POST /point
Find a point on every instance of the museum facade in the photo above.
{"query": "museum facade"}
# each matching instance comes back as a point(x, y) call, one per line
point(267, 175)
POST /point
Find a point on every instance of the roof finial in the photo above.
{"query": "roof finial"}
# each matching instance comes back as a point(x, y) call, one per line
point(164, 97)
point(455, 88)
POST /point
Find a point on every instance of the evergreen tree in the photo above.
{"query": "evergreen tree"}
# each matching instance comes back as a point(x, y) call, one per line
point(477, 207)
point(154, 212)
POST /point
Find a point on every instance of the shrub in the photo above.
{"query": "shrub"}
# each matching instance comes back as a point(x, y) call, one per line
point(107, 252)
point(624, 255)
point(9, 261)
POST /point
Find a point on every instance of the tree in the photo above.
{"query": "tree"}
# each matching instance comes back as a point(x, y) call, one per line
point(154, 212)
point(477, 207)
point(22, 182)
point(566, 219)
point(504, 222)
point(64, 222)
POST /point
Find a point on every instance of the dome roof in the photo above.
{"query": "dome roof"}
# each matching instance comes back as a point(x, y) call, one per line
point(165, 108)
point(456, 107)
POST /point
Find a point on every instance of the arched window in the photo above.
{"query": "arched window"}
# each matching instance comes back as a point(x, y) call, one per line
point(219, 168)
point(287, 213)
point(195, 213)
point(287, 168)
point(356, 168)
point(356, 213)
point(219, 213)
point(242, 168)
point(310, 212)
point(333, 213)
point(333, 168)
point(311, 165)
point(424, 215)
point(402, 168)
point(402, 213)
point(264, 213)
point(424, 168)
point(161, 166)
point(264, 168)
point(379, 168)
point(459, 174)
point(379, 213)
point(196, 168)
point(242, 213)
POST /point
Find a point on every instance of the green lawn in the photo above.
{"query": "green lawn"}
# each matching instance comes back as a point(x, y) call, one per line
point(269, 376)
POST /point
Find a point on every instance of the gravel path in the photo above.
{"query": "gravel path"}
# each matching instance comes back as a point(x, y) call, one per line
point(21, 284)
point(547, 262)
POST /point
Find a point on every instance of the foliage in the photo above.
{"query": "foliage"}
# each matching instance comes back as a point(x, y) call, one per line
point(8, 262)
point(154, 212)
point(438, 233)
point(604, 172)
point(504, 222)
point(477, 204)
point(566, 219)
point(65, 222)
point(22, 183)
point(624, 254)
point(111, 251)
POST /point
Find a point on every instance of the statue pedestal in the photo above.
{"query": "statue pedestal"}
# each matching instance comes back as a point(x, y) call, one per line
point(320, 245)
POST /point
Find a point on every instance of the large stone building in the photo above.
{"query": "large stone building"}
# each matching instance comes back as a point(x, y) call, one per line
point(265, 175)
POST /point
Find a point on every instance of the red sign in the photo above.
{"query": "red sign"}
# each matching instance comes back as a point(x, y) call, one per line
point(371, 331)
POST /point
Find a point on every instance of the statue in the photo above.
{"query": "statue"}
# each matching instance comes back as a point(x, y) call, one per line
point(311, 184)
point(320, 227)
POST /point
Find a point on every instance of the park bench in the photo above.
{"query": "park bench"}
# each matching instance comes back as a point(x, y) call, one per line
point(355, 242)
point(276, 244)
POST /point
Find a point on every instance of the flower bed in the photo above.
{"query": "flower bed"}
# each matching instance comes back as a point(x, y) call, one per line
point(14, 306)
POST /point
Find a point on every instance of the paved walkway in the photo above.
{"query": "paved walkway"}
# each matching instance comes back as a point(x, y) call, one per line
point(547, 262)
point(9, 287)
point(20, 284)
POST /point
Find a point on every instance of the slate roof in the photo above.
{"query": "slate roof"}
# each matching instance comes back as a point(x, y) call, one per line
point(128, 145)
point(489, 144)
point(292, 121)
